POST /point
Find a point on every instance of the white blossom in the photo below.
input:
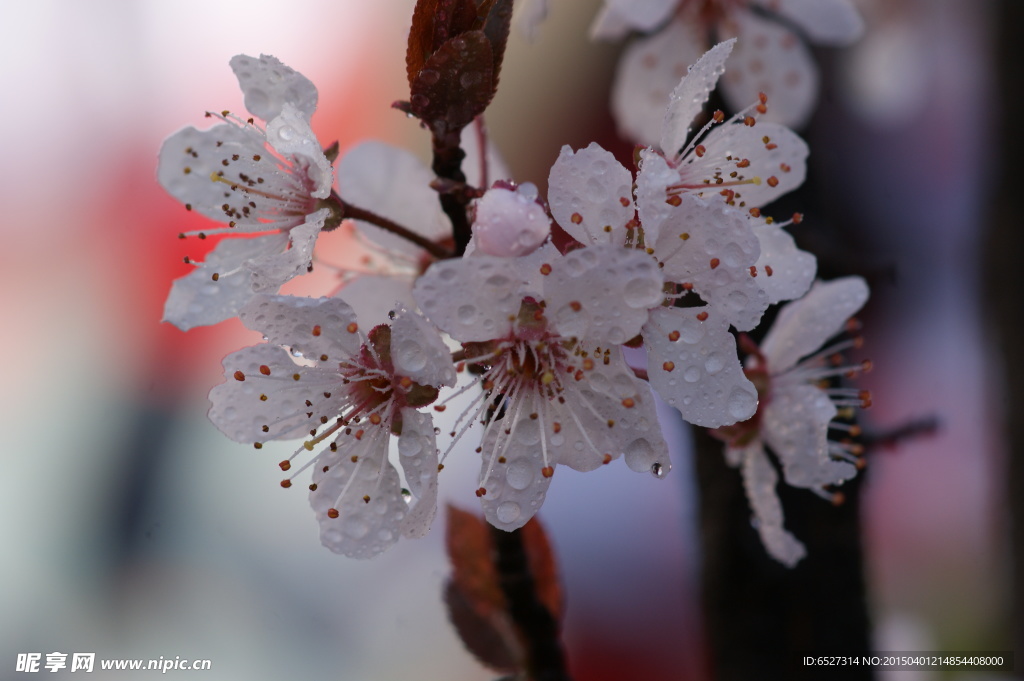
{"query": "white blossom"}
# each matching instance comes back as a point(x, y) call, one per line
point(544, 331)
point(770, 57)
point(796, 413)
point(265, 182)
point(347, 393)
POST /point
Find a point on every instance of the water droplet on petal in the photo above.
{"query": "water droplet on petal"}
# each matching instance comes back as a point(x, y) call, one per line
point(508, 511)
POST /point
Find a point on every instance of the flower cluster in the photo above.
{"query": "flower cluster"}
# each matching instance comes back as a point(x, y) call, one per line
point(471, 303)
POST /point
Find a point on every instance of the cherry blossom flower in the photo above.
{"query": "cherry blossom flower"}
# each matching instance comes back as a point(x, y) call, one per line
point(319, 377)
point(795, 412)
point(687, 216)
point(267, 183)
point(770, 57)
point(542, 332)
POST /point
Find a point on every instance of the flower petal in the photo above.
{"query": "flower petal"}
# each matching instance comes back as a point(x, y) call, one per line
point(291, 135)
point(268, 84)
point(692, 363)
point(515, 488)
point(643, 15)
point(770, 58)
point(689, 96)
point(362, 529)
point(602, 293)
point(648, 71)
point(804, 325)
point(591, 195)
point(759, 480)
point(827, 22)
point(418, 351)
point(712, 246)
point(417, 452)
point(273, 270)
point(652, 184)
point(792, 270)
point(780, 163)
point(198, 300)
point(795, 425)
point(238, 408)
point(373, 296)
point(394, 184)
point(471, 299)
point(313, 327)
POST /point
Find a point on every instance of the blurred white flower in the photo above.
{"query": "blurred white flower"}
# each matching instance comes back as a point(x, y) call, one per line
point(796, 413)
point(268, 182)
point(770, 57)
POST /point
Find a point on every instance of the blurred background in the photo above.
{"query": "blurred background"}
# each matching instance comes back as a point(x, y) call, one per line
point(132, 528)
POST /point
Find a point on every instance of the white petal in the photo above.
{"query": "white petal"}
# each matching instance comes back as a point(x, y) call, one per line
point(417, 451)
point(198, 300)
point(652, 184)
point(362, 529)
point(515, 488)
point(189, 157)
point(828, 22)
point(268, 84)
point(373, 296)
point(780, 164)
point(689, 96)
point(637, 431)
point(591, 195)
point(271, 271)
point(770, 58)
point(795, 425)
point(712, 246)
point(643, 15)
point(804, 325)
point(509, 223)
point(693, 365)
point(609, 24)
point(648, 71)
point(532, 14)
point(792, 270)
point(418, 351)
point(392, 183)
point(311, 326)
point(602, 293)
point(237, 409)
point(291, 135)
point(759, 480)
point(471, 299)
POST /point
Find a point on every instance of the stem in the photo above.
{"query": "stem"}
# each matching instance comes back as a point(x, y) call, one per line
point(539, 629)
point(447, 165)
point(356, 213)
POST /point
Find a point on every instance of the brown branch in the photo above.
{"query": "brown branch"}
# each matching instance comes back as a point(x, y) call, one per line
point(356, 213)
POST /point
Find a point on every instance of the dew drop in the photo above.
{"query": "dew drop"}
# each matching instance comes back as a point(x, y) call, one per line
point(286, 132)
point(641, 293)
point(741, 404)
point(356, 528)
point(466, 314)
point(713, 364)
point(691, 375)
point(508, 511)
point(660, 470)
point(519, 474)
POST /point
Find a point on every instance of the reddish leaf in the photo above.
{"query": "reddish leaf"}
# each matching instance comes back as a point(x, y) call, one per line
point(491, 639)
point(471, 553)
point(455, 85)
point(435, 22)
point(496, 25)
point(543, 567)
